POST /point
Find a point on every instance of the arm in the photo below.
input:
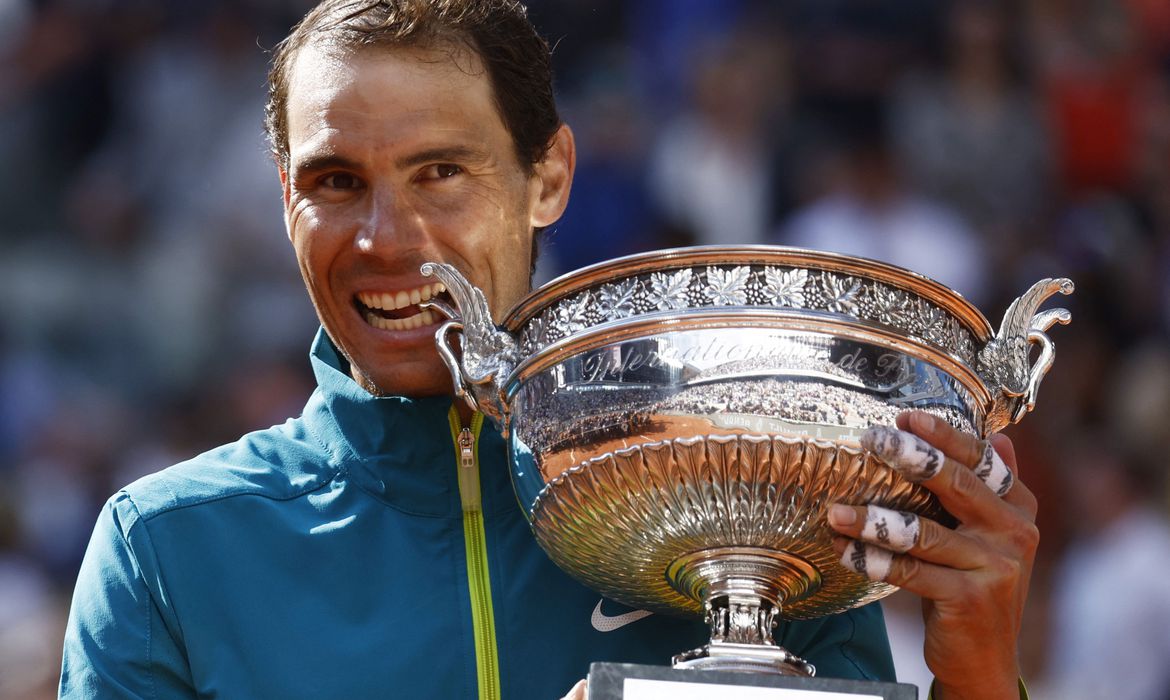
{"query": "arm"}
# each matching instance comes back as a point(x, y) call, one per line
point(118, 644)
point(973, 579)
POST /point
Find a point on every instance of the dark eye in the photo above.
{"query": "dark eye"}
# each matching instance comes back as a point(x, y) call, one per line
point(440, 171)
point(340, 181)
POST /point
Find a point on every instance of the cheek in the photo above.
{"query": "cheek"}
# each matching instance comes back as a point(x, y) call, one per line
point(487, 226)
point(476, 221)
point(298, 219)
point(516, 250)
point(311, 243)
point(511, 258)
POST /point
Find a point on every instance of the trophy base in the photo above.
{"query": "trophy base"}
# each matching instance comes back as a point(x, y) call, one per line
point(610, 681)
point(744, 658)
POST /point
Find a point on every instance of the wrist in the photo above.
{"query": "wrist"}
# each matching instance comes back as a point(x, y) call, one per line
point(999, 691)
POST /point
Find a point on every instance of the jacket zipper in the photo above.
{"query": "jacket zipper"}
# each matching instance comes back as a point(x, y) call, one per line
point(478, 578)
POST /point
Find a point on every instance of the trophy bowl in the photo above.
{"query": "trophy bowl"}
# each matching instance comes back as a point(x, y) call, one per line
point(678, 420)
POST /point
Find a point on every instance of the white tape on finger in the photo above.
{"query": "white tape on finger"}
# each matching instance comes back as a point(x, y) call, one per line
point(890, 529)
point(993, 471)
point(872, 562)
point(913, 457)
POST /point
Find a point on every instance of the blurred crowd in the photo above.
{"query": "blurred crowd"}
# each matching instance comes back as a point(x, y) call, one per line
point(150, 305)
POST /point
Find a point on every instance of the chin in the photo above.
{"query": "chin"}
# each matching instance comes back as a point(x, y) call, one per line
point(418, 384)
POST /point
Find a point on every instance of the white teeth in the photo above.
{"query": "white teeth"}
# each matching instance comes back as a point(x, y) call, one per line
point(371, 300)
point(423, 318)
point(399, 300)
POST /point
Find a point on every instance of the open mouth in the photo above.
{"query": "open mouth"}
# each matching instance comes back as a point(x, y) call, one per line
point(398, 311)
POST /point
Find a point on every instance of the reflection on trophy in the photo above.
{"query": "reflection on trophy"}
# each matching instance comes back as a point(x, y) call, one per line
point(678, 420)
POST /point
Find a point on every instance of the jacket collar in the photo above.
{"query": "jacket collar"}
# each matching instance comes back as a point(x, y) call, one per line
point(398, 448)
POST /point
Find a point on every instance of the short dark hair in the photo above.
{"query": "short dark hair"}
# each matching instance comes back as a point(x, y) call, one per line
point(515, 56)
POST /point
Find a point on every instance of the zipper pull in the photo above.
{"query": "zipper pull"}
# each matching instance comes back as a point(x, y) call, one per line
point(467, 449)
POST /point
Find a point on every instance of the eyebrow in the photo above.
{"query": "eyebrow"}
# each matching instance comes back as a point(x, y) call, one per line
point(324, 161)
point(456, 154)
point(318, 162)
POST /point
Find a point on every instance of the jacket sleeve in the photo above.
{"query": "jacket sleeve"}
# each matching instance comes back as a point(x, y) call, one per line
point(851, 645)
point(119, 642)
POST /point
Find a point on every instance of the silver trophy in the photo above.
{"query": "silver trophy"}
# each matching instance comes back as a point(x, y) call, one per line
point(678, 420)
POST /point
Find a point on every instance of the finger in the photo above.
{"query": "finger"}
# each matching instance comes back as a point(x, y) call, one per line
point(962, 447)
point(906, 533)
point(958, 489)
point(965, 449)
point(577, 692)
point(969, 450)
point(916, 459)
point(956, 444)
point(993, 471)
point(870, 561)
point(928, 580)
point(889, 529)
point(1006, 449)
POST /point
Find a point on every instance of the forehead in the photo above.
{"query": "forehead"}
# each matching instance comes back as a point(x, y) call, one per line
point(387, 96)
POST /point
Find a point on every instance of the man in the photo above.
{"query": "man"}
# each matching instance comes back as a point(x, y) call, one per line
point(358, 551)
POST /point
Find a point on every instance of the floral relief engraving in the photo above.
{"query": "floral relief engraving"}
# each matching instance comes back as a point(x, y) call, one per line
point(966, 349)
point(535, 333)
point(842, 294)
point(920, 319)
point(670, 289)
point(619, 300)
point(785, 287)
point(895, 308)
point(775, 286)
point(727, 287)
point(572, 316)
point(553, 329)
point(953, 334)
point(933, 322)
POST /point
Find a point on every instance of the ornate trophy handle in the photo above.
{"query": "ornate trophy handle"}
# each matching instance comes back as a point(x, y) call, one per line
point(488, 353)
point(1004, 361)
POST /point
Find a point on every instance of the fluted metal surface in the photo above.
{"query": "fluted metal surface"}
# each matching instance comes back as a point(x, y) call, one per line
point(618, 521)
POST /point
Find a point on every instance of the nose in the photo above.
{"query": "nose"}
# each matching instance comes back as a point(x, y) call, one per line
point(391, 225)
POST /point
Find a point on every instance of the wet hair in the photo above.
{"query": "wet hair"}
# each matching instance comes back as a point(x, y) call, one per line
point(515, 56)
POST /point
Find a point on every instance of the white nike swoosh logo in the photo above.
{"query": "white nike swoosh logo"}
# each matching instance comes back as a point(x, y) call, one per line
point(605, 623)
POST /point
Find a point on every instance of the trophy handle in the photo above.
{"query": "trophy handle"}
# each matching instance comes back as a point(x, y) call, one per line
point(488, 352)
point(1004, 362)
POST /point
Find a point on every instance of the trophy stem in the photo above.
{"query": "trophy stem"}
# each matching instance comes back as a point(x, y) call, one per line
point(741, 589)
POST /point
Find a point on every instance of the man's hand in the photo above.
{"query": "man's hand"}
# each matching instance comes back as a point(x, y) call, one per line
point(973, 579)
point(577, 692)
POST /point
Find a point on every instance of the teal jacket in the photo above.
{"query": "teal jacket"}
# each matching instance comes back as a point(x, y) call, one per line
point(352, 553)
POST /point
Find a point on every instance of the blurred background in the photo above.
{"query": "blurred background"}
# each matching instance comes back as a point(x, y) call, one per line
point(151, 308)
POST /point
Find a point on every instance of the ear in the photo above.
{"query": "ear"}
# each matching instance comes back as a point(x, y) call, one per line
point(554, 177)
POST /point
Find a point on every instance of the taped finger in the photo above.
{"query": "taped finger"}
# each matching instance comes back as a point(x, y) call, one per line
point(868, 560)
point(993, 471)
point(913, 457)
point(890, 529)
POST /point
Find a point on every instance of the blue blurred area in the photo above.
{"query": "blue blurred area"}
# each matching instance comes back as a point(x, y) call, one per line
point(150, 306)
